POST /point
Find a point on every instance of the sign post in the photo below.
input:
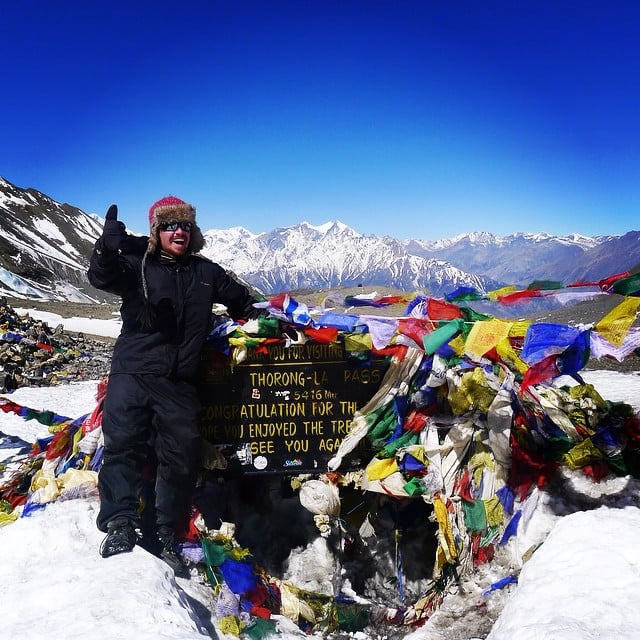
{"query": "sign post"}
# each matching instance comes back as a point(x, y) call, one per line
point(286, 409)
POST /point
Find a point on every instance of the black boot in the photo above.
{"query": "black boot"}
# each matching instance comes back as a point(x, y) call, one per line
point(168, 551)
point(121, 537)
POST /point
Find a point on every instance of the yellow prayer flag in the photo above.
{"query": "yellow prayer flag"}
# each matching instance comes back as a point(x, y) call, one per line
point(510, 356)
point(418, 452)
point(496, 293)
point(446, 542)
point(582, 454)
point(519, 328)
point(471, 391)
point(8, 518)
point(485, 335)
point(229, 625)
point(378, 469)
point(457, 344)
point(358, 342)
point(616, 324)
point(494, 511)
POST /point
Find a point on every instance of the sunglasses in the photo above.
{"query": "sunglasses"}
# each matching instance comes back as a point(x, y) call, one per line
point(173, 226)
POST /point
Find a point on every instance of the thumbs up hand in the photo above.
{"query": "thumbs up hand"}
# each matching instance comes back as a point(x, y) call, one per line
point(113, 231)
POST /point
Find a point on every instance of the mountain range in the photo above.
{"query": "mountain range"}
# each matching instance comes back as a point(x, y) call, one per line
point(45, 248)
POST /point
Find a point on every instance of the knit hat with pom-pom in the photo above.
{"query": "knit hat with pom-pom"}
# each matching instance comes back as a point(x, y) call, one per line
point(172, 209)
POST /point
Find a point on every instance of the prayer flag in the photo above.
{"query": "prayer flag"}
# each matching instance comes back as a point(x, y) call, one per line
point(464, 293)
point(519, 296)
point(606, 283)
point(441, 335)
point(441, 310)
point(616, 324)
point(575, 357)
point(544, 339)
point(629, 286)
point(541, 371)
point(538, 285)
point(485, 335)
point(503, 291)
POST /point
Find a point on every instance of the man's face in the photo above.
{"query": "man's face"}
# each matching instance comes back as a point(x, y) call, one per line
point(175, 237)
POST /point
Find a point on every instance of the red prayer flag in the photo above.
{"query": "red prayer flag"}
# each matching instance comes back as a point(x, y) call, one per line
point(415, 328)
point(325, 335)
point(606, 283)
point(519, 296)
point(441, 310)
point(541, 371)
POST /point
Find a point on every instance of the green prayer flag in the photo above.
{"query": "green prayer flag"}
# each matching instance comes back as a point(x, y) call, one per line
point(475, 517)
point(471, 315)
point(269, 327)
point(414, 487)
point(543, 285)
point(259, 629)
point(629, 286)
point(434, 340)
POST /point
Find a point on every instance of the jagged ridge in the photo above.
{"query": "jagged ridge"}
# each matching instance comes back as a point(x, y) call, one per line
point(45, 248)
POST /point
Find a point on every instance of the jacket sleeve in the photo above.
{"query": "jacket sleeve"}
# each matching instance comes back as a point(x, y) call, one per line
point(236, 296)
point(114, 271)
point(107, 269)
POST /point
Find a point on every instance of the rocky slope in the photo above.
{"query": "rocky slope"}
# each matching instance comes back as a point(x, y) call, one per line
point(32, 353)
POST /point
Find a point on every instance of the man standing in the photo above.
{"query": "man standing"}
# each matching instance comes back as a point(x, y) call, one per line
point(167, 294)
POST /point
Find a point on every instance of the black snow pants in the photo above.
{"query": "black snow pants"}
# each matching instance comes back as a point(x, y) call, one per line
point(140, 410)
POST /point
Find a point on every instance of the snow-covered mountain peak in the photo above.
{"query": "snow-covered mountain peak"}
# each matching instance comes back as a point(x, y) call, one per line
point(47, 245)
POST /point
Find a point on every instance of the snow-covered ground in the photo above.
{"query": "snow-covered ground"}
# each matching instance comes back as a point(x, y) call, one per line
point(582, 583)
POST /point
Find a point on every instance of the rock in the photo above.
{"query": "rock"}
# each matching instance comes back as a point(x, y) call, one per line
point(31, 354)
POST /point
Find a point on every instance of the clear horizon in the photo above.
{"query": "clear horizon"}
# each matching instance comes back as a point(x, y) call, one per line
point(404, 118)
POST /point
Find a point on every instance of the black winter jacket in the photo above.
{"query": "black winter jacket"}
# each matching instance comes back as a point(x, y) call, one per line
point(180, 297)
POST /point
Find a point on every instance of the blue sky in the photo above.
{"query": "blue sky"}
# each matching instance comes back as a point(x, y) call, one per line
point(411, 118)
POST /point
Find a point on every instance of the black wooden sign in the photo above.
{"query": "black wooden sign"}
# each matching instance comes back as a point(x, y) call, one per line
point(288, 409)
